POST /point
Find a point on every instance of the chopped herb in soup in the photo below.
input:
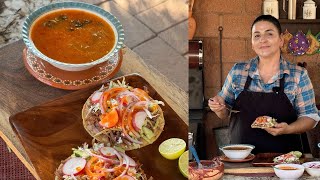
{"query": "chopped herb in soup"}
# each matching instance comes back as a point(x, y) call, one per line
point(72, 36)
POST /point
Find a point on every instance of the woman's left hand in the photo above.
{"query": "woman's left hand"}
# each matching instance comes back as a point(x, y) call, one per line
point(278, 129)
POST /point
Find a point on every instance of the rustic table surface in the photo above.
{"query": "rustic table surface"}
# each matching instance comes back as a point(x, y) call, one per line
point(19, 91)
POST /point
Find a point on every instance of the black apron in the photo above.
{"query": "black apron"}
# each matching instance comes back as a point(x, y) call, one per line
point(253, 104)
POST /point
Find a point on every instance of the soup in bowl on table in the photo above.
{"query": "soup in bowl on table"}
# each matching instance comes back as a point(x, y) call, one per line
point(289, 171)
point(237, 151)
point(73, 36)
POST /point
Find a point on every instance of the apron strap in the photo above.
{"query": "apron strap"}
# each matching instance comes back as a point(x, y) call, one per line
point(248, 82)
point(282, 84)
point(249, 79)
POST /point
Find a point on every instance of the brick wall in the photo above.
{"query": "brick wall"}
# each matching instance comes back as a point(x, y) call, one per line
point(235, 16)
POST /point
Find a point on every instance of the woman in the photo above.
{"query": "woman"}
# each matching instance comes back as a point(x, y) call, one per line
point(267, 85)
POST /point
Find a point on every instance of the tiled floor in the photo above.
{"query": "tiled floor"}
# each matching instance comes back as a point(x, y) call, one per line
point(157, 31)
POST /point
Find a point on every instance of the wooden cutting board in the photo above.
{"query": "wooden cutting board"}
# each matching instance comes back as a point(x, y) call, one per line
point(265, 159)
point(49, 131)
point(250, 171)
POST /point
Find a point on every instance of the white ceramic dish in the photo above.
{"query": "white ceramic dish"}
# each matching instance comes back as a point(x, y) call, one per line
point(289, 174)
point(237, 151)
point(312, 168)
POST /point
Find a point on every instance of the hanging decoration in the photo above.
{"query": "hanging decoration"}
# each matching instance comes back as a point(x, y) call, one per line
point(313, 43)
point(299, 44)
point(286, 38)
point(318, 38)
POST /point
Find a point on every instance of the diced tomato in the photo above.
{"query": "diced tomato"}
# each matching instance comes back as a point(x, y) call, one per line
point(119, 170)
point(143, 95)
point(261, 119)
point(124, 100)
point(109, 119)
point(107, 95)
point(94, 168)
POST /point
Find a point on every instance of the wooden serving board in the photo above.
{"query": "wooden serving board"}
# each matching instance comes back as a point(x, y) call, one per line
point(49, 131)
point(251, 171)
point(265, 159)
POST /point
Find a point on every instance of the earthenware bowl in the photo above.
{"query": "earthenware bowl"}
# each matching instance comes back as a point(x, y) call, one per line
point(237, 151)
point(108, 17)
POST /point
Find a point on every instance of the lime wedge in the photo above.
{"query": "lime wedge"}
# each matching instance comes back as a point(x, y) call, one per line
point(172, 148)
point(184, 163)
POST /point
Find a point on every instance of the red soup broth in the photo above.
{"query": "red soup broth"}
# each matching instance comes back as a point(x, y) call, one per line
point(72, 36)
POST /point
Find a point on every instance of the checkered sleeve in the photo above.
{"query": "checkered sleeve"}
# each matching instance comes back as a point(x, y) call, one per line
point(305, 100)
point(227, 92)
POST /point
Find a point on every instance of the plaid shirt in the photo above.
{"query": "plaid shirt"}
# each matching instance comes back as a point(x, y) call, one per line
point(297, 87)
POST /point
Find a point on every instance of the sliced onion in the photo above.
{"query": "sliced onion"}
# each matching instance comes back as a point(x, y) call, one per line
point(101, 105)
point(127, 166)
point(148, 112)
point(131, 139)
point(131, 162)
point(103, 158)
point(125, 93)
point(128, 93)
point(73, 177)
point(121, 162)
point(141, 103)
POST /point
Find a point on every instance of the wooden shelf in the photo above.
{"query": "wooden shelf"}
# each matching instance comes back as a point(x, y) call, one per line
point(303, 25)
point(299, 21)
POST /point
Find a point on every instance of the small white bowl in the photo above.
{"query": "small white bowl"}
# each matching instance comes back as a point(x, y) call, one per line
point(289, 174)
point(237, 151)
point(313, 168)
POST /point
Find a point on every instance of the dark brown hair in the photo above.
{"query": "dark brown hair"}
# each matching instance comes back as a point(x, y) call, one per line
point(270, 19)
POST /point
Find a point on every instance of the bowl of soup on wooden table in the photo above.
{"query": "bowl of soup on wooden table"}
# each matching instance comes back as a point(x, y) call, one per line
point(73, 36)
point(289, 171)
point(237, 151)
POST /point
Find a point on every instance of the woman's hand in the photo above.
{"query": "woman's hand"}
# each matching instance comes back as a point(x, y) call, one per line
point(278, 129)
point(217, 104)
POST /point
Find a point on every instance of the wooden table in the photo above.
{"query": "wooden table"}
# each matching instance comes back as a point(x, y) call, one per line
point(19, 91)
point(247, 169)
